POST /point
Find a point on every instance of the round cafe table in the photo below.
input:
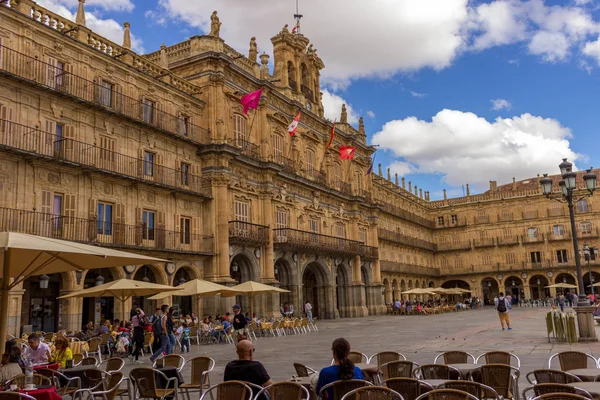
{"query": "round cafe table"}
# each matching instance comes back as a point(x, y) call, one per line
point(43, 394)
point(592, 387)
point(370, 371)
point(53, 366)
point(585, 374)
point(465, 368)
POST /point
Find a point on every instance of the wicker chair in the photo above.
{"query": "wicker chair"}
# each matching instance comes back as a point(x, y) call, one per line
point(398, 369)
point(73, 384)
point(38, 379)
point(15, 396)
point(447, 394)
point(91, 361)
point(384, 357)
point(409, 388)
point(546, 388)
point(340, 388)
point(144, 384)
point(171, 360)
point(503, 378)
point(94, 348)
point(499, 357)
point(104, 341)
point(201, 368)
point(356, 357)
point(228, 390)
point(113, 364)
point(107, 389)
point(572, 360)
point(478, 390)
point(551, 376)
point(95, 376)
point(77, 359)
point(302, 370)
point(434, 371)
point(284, 391)
point(455, 357)
point(194, 335)
point(372, 393)
point(560, 396)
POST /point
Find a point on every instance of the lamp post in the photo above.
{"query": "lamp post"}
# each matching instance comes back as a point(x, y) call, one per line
point(568, 186)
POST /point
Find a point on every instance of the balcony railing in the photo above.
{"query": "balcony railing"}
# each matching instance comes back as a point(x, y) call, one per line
point(449, 246)
point(531, 214)
point(593, 233)
point(316, 176)
point(406, 215)
point(106, 96)
point(507, 241)
point(245, 232)
point(307, 92)
point(369, 252)
point(101, 233)
point(392, 266)
point(556, 236)
point(315, 242)
point(248, 148)
point(287, 163)
point(343, 187)
point(486, 242)
point(482, 219)
point(506, 217)
point(292, 84)
point(395, 237)
point(556, 212)
point(537, 238)
point(31, 141)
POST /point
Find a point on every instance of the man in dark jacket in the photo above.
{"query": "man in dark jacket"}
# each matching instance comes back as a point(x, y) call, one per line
point(239, 322)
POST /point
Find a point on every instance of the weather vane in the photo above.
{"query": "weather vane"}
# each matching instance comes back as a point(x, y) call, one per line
point(297, 16)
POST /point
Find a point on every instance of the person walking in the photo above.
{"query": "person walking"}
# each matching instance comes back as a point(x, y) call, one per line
point(170, 323)
point(139, 321)
point(561, 303)
point(239, 322)
point(502, 306)
point(308, 311)
point(159, 329)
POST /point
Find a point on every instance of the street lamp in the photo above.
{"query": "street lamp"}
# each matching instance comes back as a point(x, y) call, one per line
point(568, 185)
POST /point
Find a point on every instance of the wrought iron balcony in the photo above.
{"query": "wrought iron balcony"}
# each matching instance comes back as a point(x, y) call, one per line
point(556, 212)
point(108, 234)
point(397, 267)
point(104, 96)
point(485, 242)
point(459, 245)
point(307, 92)
point(287, 238)
point(34, 142)
point(530, 214)
point(556, 236)
point(343, 187)
point(287, 163)
point(316, 176)
point(248, 148)
point(506, 217)
point(395, 237)
point(537, 238)
point(593, 233)
point(245, 232)
point(508, 240)
point(292, 84)
point(369, 252)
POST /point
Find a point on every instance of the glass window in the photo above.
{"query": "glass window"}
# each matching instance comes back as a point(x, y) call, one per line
point(60, 68)
point(440, 221)
point(314, 225)
point(558, 230)
point(185, 174)
point(277, 148)
point(340, 231)
point(561, 256)
point(148, 163)
point(582, 205)
point(532, 233)
point(362, 236)
point(241, 211)
point(104, 218)
point(239, 130)
point(535, 256)
point(281, 219)
point(184, 230)
point(148, 107)
point(106, 94)
point(148, 225)
point(185, 125)
point(310, 160)
point(454, 219)
point(58, 143)
point(585, 227)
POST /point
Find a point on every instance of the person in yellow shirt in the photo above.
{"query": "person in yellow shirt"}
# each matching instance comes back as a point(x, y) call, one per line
point(62, 352)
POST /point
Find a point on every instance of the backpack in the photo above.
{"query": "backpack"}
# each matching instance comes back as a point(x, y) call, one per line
point(157, 327)
point(501, 305)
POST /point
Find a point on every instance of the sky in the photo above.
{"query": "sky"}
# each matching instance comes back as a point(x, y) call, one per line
point(452, 92)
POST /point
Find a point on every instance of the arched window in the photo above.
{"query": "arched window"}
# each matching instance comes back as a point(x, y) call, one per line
point(240, 133)
point(292, 75)
point(311, 161)
point(339, 230)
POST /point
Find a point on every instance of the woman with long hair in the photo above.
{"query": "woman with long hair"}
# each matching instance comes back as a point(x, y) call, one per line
point(171, 331)
point(342, 369)
point(139, 321)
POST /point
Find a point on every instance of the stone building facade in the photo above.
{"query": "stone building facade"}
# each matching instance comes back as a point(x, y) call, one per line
point(154, 154)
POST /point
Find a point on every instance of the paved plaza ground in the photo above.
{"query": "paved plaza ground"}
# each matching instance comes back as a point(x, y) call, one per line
point(419, 338)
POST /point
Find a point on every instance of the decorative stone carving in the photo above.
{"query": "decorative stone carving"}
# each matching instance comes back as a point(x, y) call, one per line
point(107, 189)
point(56, 110)
point(215, 25)
point(283, 192)
point(253, 52)
point(53, 178)
point(285, 29)
point(344, 115)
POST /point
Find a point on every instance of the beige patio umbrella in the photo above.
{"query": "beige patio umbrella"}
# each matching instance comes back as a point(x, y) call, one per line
point(122, 290)
point(26, 255)
point(199, 288)
point(419, 291)
point(562, 285)
point(252, 288)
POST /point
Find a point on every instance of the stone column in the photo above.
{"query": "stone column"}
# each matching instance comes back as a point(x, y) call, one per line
point(15, 304)
point(328, 302)
point(267, 219)
point(220, 207)
point(71, 311)
point(527, 292)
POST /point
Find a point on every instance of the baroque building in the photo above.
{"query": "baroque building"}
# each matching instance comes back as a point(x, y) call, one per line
point(153, 153)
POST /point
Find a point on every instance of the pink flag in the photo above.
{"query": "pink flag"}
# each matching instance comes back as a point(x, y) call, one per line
point(251, 100)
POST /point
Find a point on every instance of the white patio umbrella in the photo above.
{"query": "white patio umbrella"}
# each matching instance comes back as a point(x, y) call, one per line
point(26, 255)
point(252, 288)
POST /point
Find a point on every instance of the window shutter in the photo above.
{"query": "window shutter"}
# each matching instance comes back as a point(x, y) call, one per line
point(48, 138)
point(196, 239)
point(51, 73)
point(118, 223)
point(46, 202)
point(140, 163)
point(158, 167)
point(98, 90)
point(69, 225)
point(138, 225)
point(4, 125)
point(178, 224)
point(93, 215)
point(157, 117)
point(68, 77)
point(117, 97)
point(194, 180)
point(69, 137)
point(160, 234)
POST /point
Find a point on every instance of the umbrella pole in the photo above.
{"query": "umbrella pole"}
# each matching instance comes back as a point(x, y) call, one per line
point(4, 299)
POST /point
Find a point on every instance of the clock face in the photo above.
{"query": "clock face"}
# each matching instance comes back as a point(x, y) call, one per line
point(499, 277)
point(129, 269)
point(524, 275)
point(308, 106)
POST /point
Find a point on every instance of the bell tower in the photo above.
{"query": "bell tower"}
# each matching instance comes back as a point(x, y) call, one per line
point(297, 66)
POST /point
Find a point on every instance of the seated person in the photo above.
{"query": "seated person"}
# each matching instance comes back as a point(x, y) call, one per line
point(37, 352)
point(11, 367)
point(104, 328)
point(342, 368)
point(245, 368)
point(62, 352)
point(7, 346)
point(88, 331)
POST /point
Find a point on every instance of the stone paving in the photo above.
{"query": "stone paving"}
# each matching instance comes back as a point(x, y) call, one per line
point(419, 338)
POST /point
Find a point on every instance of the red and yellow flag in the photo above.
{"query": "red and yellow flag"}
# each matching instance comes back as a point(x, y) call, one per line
point(331, 135)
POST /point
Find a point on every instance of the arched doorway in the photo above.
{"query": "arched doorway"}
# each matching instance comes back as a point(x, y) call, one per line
point(314, 280)
point(458, 284)
point(395, 290)
point(513, 286)
point(97, 309)
point(565, 278)
point(241, 271)
point(342, 284)
point(388, 291)
point(40, 307)
point(283, 274)
point(490, 290)
point(145, 273)
point(182, 304)
point(587, 283)
point(537, 287)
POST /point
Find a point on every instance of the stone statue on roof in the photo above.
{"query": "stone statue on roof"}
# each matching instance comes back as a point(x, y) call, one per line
point(215, 25)
point(310, 50)
point(285, 29)
point(344, 115)
point(253, 52)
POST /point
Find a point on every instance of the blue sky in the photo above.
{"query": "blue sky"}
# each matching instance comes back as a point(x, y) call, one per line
point(427, 71)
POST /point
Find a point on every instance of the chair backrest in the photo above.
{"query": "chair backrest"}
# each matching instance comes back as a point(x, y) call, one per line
point(409, 388)
point(302, 370)
point(454, 357)
point(89, 361)
point(551, 376)
point(560, 396)
point(545, 388)
point(498, 377)
point(193, 331)
point(397, 369)
point(228, 390)
point(170, 360)
point(104, 338)
point(94, 344)
point(284, 391)
point(447, 394)
point(38, 379)
point(111, 385)
point(384, 357)
point(114, 364)
point(477, 389)
point(357, 357)
point(499, 357)
point(340, 388)
point(572, 360)
point(433, 371)
point(373, 393)
point(147, 337)
point(200, 365)
point(144, 381)
point(95, 376)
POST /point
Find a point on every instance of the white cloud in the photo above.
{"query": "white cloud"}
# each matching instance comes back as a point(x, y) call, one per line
point(156, 18)
point(401, 168)
point(371, 114)
point(514, 61)
point(500, 104)
point(592, 49)
point(107, 5)
point(108, 28)
point(418, 95)
point(465, 148)
point(332, 104)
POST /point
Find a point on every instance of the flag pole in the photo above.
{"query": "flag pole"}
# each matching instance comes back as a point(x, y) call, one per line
point(348, 170)
point(327, 148)
point(252, 123)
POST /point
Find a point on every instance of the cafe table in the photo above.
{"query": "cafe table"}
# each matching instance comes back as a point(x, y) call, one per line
point(370, 371)
point(585, 374)
point(592, 387)
point(43, 393)
point(464, 369)
point(52, 366)
point(435, 382)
